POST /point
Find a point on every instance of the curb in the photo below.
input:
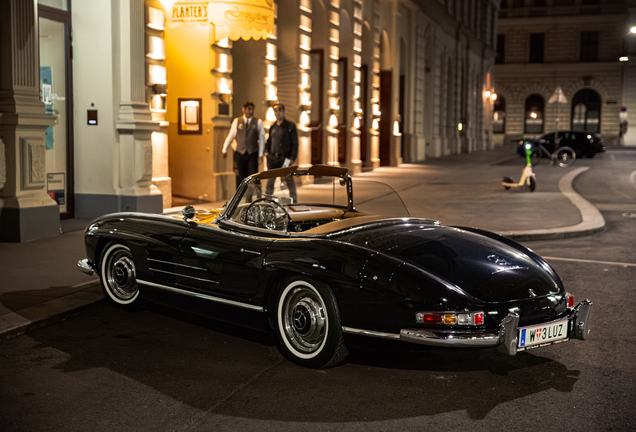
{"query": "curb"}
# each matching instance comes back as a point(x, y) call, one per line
point(592, 219)
point(42, 314)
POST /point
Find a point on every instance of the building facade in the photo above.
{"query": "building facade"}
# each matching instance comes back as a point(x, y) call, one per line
point(567, 65)
point(130, 101)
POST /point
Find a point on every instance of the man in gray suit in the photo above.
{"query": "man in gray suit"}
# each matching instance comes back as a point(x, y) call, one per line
point(250, 141)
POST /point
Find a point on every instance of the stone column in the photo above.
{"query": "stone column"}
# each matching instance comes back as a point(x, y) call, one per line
point(134, 121)
point(26, 210)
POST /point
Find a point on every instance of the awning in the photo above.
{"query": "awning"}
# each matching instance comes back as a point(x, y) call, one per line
point(242, 19)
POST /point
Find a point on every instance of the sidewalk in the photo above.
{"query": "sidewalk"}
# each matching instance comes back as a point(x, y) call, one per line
point(39, 281)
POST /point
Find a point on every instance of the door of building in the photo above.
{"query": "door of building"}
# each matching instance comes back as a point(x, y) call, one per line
point(57, 95)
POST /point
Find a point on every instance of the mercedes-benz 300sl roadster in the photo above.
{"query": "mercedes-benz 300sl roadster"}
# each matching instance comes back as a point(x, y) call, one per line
point(313, 254)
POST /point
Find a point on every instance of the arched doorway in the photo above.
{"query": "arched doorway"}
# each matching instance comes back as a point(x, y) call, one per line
point(533, 122)
point(499, 115)
point(586, 111)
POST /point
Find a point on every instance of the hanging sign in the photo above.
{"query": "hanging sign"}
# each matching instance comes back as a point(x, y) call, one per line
point(189, 13)
point(238, 19)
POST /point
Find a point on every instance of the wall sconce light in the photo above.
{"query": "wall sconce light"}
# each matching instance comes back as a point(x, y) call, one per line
point(533, 115)
point(460, 126)
point(333, 103)
point(271, 73)
point(333, 122)
point(270, 116)
point(356, 122)
point(304, 80)
point(304, 117)
point(396, 126)
point(305, 100)
point(334, 87)
point(493, 97)
point(376, 124)
point(487, 94)
point(376, 110)
point(271, 93)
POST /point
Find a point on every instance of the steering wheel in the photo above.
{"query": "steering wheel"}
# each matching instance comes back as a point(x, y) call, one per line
point(267, 213)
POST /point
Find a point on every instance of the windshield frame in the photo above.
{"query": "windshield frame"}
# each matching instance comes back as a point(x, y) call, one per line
point(314, 170)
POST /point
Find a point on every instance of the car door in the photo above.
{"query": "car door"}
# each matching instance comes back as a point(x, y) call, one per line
point(221, 262)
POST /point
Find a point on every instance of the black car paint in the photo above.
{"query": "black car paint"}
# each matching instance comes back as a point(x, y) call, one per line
point(582, 145)
point(375, 289)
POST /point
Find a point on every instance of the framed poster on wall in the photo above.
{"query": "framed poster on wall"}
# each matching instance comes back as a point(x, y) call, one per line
point(190, 116)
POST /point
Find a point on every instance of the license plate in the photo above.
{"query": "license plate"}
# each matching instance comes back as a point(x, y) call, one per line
point(543, 334)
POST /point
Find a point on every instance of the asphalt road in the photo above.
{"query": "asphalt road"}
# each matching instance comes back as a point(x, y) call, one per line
point(103, 369)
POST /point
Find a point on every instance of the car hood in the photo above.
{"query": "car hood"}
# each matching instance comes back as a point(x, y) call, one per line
point(489, 267)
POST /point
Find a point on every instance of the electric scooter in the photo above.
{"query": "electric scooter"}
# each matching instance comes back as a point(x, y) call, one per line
point(527, 176)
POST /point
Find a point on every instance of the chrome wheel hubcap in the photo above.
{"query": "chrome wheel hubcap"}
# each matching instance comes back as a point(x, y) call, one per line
point(121, 276)
point(304, 320)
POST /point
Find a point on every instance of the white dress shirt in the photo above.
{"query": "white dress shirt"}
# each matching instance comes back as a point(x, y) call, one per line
point(234, 130)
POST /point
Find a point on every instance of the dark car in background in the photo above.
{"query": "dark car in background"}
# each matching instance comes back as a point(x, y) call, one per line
point(583, 143)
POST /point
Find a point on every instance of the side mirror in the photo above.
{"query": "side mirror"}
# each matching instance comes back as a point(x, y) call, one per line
point(188, 212)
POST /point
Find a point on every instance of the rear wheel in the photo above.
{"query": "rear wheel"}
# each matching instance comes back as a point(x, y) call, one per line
point(507, 180)
point(308, 324)
point(565, 156)
point(532, 184)
point(119, 277)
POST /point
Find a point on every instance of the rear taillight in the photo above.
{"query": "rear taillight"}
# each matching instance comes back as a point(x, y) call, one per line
point(463, 318)
point(570, 299)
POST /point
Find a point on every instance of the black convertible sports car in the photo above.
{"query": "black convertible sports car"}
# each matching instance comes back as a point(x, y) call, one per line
point(312, 266)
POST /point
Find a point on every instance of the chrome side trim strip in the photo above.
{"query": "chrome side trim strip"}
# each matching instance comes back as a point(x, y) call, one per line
point(177, 264)
point(203, 296)
point(182, 275)
point(371, 333)
point(249, 251)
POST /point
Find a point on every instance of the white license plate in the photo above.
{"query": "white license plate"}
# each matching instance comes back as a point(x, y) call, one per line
point(543, 334)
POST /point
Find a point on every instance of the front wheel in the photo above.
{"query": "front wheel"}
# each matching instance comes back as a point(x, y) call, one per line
point(564, 156)
point(532, 184)
point(119, 277)
point(308, 324)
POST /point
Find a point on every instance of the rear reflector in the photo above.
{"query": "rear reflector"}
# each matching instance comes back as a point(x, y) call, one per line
point(570, 299)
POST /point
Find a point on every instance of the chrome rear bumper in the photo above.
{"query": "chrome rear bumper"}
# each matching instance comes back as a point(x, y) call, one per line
point(85, 267)
point(506, 335)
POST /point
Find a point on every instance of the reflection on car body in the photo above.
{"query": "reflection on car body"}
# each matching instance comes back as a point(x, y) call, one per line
point(325, 266)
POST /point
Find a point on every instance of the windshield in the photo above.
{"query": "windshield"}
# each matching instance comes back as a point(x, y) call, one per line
point(377, 198)
point(295, 200)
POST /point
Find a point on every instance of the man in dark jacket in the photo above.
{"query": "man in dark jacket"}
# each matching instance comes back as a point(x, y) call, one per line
point(282, 148)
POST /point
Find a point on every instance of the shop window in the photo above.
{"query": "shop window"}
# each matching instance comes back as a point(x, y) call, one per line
point(499, 116)
point(536, 47)
point(533, 122)
point(586, 111)
point(589, 46)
